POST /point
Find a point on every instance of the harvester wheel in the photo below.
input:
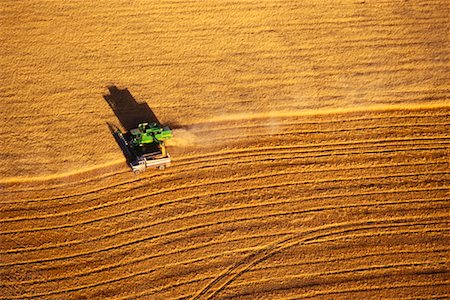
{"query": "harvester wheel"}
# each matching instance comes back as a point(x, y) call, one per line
point(162, 167)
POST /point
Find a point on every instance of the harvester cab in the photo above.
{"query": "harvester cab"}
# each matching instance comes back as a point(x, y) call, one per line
point(144, 146)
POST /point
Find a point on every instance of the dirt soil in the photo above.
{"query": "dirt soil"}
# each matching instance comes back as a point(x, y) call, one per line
point(310, 152)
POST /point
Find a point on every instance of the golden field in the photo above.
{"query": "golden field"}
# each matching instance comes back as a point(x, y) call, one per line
point(310, 157)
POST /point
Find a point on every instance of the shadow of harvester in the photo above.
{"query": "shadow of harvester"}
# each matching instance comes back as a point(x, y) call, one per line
point(128, 111)
point(130, 114)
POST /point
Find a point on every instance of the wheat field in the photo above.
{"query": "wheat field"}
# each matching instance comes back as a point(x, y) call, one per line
point(310, 156)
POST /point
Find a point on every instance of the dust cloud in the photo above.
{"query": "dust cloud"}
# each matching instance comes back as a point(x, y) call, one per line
point(213, 132)
point(183, 138)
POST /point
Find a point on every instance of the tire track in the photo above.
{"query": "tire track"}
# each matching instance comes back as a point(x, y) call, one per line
point(329, 122)
point(128, 199)
point(224, 253)
point(245, 189)
point(352, 257)
point(294, 149)
point(158, 290)
point(378, 288)
point(217, 156)
point(156, 178)
point(314, 209)
point(306, 243)
point(439, 264)
point(229, 275)
point(270, 249)
point(433, 297)
point(149, 257)
point(189, 159)
point(147, 272)
point(375, 274)
point(142, 239)
point(413, 124)
point(255, 188)
point(320, 197)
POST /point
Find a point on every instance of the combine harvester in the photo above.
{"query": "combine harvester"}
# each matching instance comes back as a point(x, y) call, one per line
point(144, 146)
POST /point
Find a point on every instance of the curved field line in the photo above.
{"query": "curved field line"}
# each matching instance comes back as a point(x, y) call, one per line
point(260, 157)
point(230, 274)
point(313, 145)
point(278, 185)
point(265, 187)
point(248, 152)
point(43, 178)
point(146, 272)
point(190, 159)
point(12, 180)
point(352, 257)
point(196, 215)
point(238, 190)
point(169, 175)
point(231, 221)
point(159, 254)
point(216, 156)
point(232, 118)
point(324, 208)
point(344, 271)
point(266, 251)
point(142, 239)
point(294, 149)
point(224, 253)
point(128, 199)
point(65, 184)
point(377, 288)
point(434, 296)
point(264, 204)
point(307, 242)
point(297, 212)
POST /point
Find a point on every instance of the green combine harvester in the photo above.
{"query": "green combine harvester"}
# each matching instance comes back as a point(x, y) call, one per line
point(144, 146)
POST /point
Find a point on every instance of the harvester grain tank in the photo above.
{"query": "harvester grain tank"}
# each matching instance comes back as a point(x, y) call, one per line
point(144, 146)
